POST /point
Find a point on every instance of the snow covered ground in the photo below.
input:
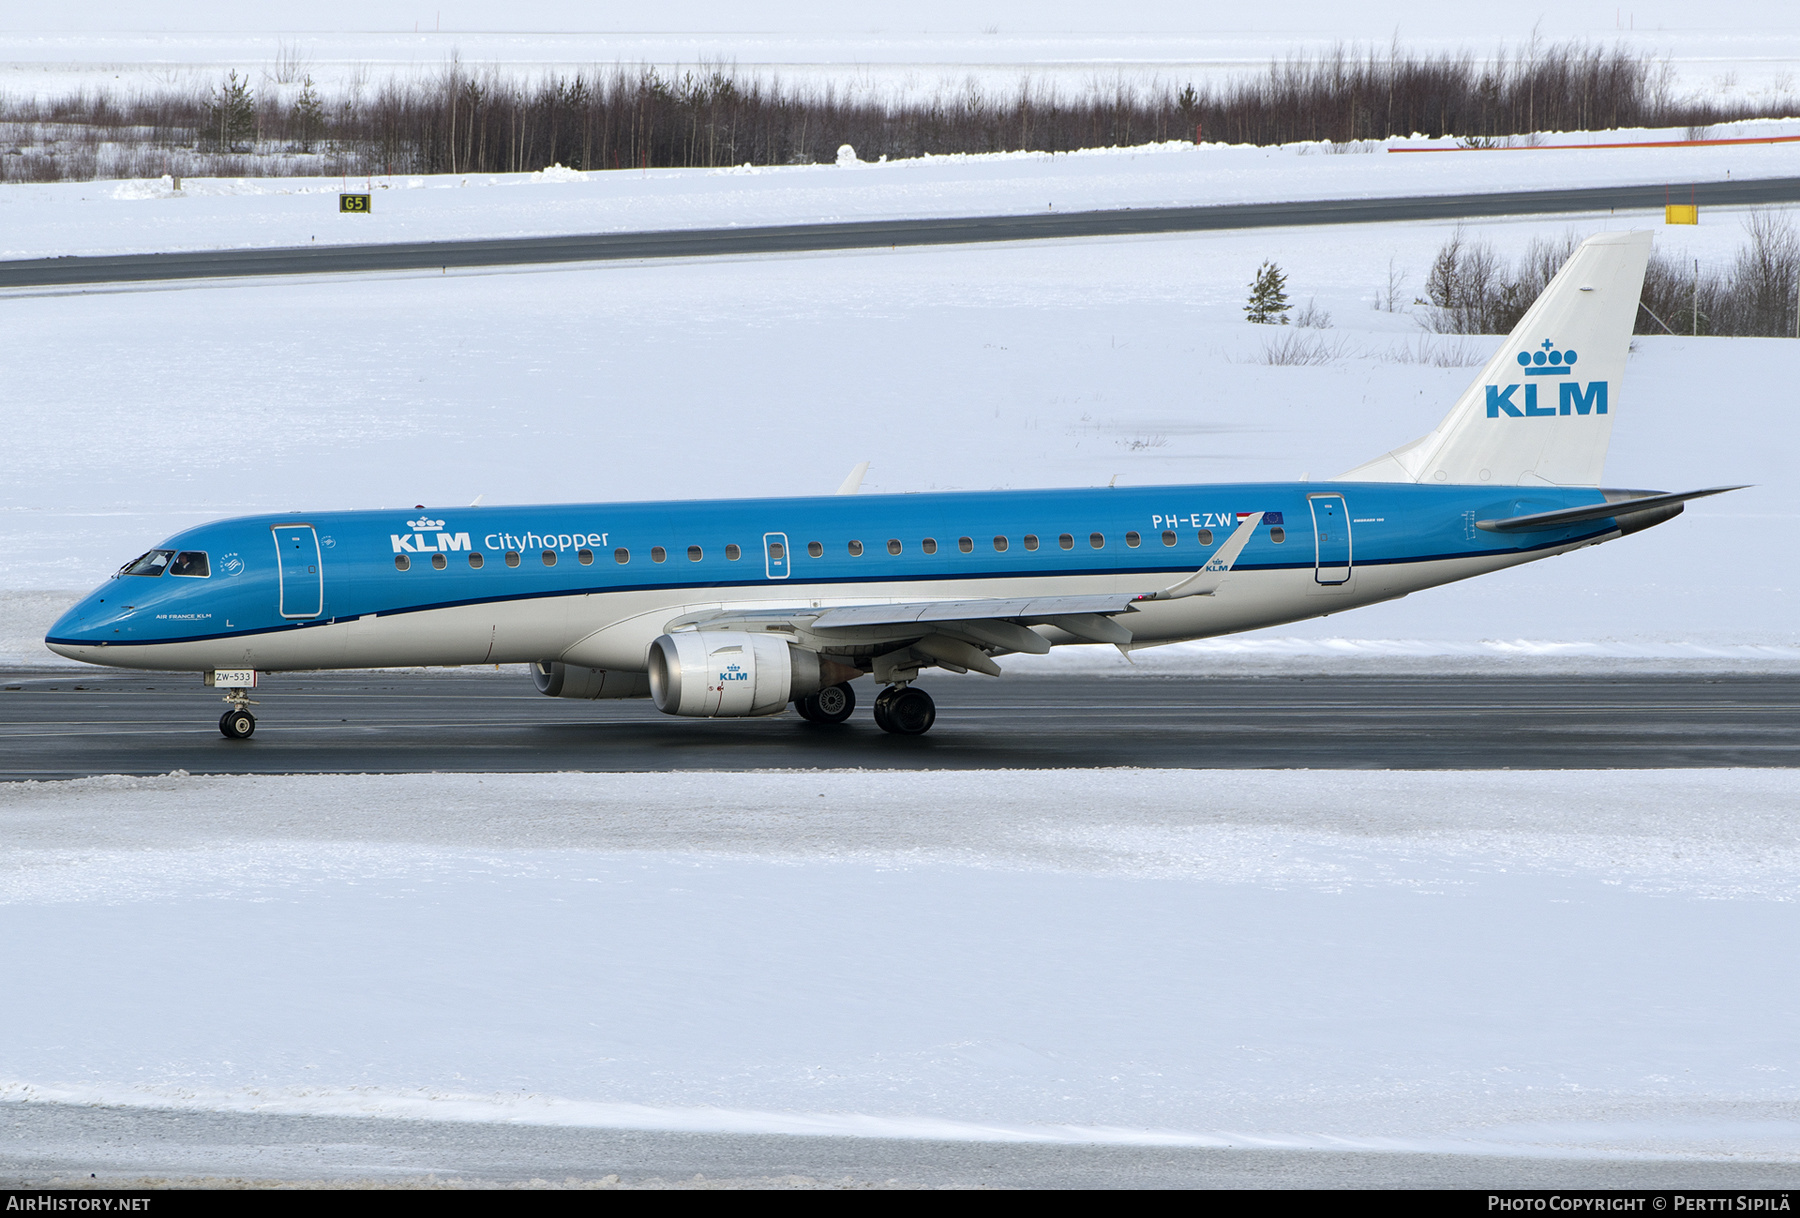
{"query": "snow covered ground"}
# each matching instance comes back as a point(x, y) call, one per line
point(55, 219)
point(139, 410)
point(1562, 964)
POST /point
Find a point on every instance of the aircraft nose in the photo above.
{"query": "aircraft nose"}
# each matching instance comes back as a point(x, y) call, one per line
point(82, 625)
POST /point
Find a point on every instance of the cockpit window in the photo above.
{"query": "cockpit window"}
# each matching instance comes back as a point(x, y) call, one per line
point(153, 563)
point(191, 563)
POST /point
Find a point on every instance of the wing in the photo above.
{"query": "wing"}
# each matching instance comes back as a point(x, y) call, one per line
point(965, 634)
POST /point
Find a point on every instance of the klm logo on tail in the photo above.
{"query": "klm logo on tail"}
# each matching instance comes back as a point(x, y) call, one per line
point(1572, 397)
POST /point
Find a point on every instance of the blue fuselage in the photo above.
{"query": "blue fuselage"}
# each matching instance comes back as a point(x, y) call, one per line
point(270, 580)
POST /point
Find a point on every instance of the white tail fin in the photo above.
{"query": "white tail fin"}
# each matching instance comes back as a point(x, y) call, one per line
point(1541, 412)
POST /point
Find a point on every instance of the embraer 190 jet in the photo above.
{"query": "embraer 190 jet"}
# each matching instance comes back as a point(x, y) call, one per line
point(741, 607)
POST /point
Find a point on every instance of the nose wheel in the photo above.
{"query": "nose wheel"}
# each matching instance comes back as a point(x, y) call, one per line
point(905, 710)
point(237, 724)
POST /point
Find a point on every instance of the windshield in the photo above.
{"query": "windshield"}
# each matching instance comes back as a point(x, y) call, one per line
point(153, 563)
point(191, 563)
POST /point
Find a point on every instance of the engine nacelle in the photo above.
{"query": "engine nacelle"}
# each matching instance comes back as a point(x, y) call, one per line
point(558, 680)
point(718, 674)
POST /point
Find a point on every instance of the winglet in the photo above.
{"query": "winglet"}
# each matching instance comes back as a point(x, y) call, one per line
point(853, 483)
point(1207, 579)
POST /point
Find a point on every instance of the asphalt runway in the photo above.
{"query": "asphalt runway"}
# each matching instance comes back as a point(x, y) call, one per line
point(85, 1146)
point(72, 723)
point(804, 238)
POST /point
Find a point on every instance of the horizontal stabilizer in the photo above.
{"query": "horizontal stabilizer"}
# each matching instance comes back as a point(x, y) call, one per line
point(1599, 511)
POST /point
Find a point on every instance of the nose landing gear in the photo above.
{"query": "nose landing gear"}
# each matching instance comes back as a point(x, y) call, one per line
point(905, 710)
point(238, 723)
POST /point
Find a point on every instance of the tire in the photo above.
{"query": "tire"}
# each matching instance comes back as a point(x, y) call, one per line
point(833, 704)
point(237, 725)
point(911, 713)
point(905, 712)
point(808, 707)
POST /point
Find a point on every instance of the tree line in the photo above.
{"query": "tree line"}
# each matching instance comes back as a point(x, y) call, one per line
point(470, 120)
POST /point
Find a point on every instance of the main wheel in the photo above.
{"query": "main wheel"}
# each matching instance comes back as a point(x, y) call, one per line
point(808, 707)
point(883, 700)
point(909, 711)
point(833, 704)
point(237, 724)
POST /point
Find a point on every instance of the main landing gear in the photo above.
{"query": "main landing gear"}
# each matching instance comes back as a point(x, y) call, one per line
point(832, 704)
point(900, 709)
point(905, 710)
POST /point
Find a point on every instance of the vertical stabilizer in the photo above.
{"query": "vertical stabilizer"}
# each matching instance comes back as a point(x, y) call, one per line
point(1541, 412)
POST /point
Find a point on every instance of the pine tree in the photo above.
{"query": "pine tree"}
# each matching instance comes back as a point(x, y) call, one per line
point(230, 116)
point(1268, 304)
point(309, 115)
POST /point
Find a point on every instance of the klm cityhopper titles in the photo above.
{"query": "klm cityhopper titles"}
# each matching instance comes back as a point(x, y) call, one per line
point(737, 608)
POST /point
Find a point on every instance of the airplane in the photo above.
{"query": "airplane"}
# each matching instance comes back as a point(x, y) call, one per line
point(735, 608)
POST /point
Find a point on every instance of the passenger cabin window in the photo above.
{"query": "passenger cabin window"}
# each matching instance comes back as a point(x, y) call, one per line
point(658, 554)
point(1206, 537)
point(512, 558)
point(585, 557)
point(1168, 538)
point(1066, 541)
point(695, 554)
point(1031, 541)
point(1132, 540)
point(966, 544)
point(153, 563)
point(777, 551)
point(929, 545)
point(475, 561)
point(815, 549)
point(402, 563)
point(732, 553)
point(1000, 545)
point(894, 546)
point(192, 564)
point(439, 562)
point(621, 556)
point(1277, 534)
point(856, 549)
point(549, 558)
point(1097, 540)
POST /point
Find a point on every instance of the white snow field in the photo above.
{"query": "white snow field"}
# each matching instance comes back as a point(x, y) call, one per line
point(138, 410)
point(1569, 964)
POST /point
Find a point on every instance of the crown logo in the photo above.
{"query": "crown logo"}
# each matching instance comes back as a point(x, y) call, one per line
point(1547, 361)
point(424, 522)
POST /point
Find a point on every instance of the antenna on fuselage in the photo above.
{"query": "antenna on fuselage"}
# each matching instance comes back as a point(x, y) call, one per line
point(476, 502)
